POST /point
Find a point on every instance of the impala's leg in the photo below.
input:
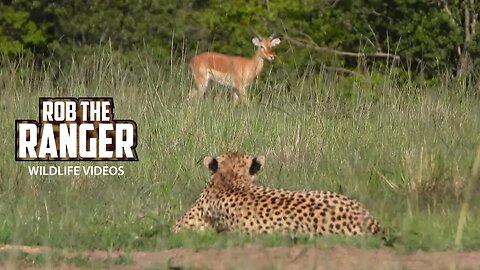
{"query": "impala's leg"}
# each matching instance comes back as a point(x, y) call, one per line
point(233, 91)
point(243, 95)
point(201, 82)
point(240, 90)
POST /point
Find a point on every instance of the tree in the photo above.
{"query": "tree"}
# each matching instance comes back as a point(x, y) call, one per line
point(464, 18)
point(19, 32)
point(423, 35)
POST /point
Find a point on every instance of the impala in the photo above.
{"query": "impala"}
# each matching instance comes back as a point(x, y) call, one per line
point(234, 71)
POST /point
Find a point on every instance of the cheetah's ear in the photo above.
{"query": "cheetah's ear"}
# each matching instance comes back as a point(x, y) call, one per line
point(257, 163)
point(211, 163)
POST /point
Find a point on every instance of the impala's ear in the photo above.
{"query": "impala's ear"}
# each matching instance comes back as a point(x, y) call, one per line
point(257, 163)
point(275, 42)
point(211, 164)
point(256, 42)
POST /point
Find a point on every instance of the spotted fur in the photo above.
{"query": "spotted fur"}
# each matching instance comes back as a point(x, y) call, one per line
point(232, 201)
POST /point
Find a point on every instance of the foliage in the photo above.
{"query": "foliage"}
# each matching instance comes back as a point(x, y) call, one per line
point(425, 34)
point(20, 33)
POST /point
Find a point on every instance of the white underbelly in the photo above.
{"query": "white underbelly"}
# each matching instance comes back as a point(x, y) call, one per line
point(221, 78)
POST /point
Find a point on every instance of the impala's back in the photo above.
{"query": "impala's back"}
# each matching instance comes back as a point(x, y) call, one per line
point(217, 67)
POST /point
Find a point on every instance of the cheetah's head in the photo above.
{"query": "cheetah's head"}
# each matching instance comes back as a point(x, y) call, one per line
point(234, 168)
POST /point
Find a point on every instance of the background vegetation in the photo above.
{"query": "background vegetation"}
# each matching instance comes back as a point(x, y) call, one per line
point(405, 150)
point(373, 99)
point(426, 36)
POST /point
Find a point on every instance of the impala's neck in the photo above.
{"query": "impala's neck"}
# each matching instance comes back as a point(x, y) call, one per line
point(258, 61)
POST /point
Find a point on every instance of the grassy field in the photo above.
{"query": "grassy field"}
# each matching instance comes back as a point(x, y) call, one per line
point(404, 149)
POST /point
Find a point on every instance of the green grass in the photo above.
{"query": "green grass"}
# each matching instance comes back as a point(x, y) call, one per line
point(398, 147)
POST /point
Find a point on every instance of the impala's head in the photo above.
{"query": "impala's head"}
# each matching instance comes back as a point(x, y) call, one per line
point(265, 46)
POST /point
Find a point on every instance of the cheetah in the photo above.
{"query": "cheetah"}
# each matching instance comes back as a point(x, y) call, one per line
point(233, 201)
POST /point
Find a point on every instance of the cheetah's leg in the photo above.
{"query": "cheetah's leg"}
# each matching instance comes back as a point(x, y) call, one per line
point(193, 219)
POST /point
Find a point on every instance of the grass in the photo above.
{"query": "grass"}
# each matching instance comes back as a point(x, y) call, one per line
point(404, 149)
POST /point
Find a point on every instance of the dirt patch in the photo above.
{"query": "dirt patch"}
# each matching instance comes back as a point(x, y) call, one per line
point(256, 257)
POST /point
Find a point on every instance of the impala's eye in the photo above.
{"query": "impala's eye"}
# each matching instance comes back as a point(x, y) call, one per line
point(261, 46)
